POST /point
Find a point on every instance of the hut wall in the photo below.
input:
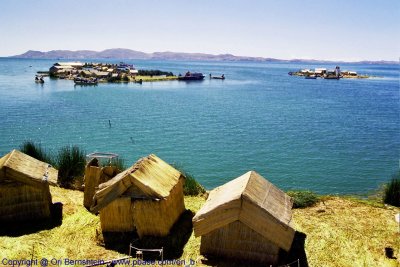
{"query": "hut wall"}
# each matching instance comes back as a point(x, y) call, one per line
point(117, 216)
point(252, 215)
point(92, 177)
point(148, 217)
point(22, 202)
point(155, 218)
point(217, 218)
point(237, 241)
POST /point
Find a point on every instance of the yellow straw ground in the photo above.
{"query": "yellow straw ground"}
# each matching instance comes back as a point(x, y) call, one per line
point(340, 232)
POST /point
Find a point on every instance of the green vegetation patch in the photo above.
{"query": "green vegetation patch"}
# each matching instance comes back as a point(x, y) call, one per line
point(71, 163)
point(391, 194)
point(303, 199)
point(36, 151)
point(191, 186)
point(154, 73)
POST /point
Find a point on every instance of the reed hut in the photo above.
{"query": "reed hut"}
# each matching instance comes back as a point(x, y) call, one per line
point(24, 188)
point(246, 219)
point(147, 198)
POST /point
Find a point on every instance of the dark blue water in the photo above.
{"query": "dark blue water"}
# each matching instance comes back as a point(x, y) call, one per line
point(325, 135)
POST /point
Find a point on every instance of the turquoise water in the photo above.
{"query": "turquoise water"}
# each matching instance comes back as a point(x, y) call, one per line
point(325, 135)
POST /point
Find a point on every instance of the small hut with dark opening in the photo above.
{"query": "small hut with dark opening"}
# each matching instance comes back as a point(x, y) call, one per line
point(146, 198)
point(247, 219)
point(24, 188)
point(95, 175)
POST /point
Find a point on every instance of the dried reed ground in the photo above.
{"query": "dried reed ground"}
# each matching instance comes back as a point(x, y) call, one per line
point(347, 232)
point(340, 232)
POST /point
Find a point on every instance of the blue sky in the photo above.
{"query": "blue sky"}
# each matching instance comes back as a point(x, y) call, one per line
point(334, 30)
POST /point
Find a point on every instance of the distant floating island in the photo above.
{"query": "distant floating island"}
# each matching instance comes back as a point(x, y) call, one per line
point(93, 73)
point(334, 74)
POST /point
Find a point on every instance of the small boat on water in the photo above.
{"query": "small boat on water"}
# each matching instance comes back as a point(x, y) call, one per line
point(189, 76)
point(222, 77)
point(85, 81)
point(39, 79)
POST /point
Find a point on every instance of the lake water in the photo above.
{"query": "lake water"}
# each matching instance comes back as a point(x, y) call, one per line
point(324, 135)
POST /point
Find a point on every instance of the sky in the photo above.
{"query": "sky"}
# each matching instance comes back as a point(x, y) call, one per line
point(348, 30)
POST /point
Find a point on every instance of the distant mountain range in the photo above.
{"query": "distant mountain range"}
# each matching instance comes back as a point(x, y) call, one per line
point(122, 53)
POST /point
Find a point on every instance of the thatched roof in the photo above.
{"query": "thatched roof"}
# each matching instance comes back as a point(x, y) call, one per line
point(255, 202)
point(22, 168)
point(148, 178)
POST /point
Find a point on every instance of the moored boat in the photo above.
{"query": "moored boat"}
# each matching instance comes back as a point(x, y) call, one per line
point(39, 79)
point(189, 76)
point(85, 81)
point(222, 77)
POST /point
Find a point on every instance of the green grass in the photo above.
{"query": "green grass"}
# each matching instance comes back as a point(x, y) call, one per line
point(71, 163)
point(345, 232)
point(191, 186)
point(36, 151)
point(303, 199)
point(392, 191)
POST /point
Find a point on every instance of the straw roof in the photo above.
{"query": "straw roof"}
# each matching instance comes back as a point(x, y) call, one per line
point(255, 202)
point(148, 178)
point(22, 168)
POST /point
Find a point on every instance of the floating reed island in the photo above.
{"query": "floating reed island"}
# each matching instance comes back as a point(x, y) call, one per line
point(91, 73)
point(334, 74)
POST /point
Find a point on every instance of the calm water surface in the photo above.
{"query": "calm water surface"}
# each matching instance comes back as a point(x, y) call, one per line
point(325, 135)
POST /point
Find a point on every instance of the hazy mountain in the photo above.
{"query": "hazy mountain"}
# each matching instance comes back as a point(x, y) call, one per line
point(57, 54)
point(123, 53)
point(132, 54)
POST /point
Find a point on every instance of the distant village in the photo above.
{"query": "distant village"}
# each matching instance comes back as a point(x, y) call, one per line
point(324, 73)
point(92, 73)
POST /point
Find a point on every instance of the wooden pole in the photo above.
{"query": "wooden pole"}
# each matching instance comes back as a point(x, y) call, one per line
point(92, 176)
